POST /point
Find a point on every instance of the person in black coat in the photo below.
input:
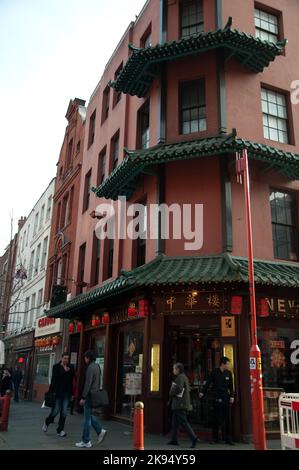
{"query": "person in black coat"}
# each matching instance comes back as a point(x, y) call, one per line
point(221, 380)
point(6, 382)
point(17, 379)
point(62, 387)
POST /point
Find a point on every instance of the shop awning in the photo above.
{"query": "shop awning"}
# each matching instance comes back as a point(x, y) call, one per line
point(124, 179)
point(143, 65)
point(184, 270)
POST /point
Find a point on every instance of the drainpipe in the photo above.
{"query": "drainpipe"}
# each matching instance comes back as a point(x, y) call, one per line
point(160, 198)
point(220, 74)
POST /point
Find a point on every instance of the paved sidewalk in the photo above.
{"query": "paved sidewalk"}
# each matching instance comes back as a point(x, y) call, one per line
point(25, 432)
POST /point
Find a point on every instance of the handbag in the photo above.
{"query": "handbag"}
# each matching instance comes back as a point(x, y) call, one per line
point(99, 397)
point(50, 399)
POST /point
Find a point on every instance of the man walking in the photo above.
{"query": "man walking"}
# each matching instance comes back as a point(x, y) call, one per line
point(180, 404)
point(222, 382)
point(17, 379)
point(92, 384)
point(62, 386)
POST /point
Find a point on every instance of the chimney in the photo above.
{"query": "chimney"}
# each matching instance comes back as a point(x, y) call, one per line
point(21, 222)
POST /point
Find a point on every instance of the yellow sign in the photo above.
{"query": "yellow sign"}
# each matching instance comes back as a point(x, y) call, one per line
point(228, 326)
point(155, 368)
point(259, 363)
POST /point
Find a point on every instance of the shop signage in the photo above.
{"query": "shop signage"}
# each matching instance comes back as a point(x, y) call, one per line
point(23, 341)
point(283, 307)
point(195, 301)
point(47, 326)
point(133, 385)
point(228, 326)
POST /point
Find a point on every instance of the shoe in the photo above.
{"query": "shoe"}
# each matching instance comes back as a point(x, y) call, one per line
point(61, 434)
point(230, 443)
point(172, 443)
point(102, 436)
point(213, 442)
point(194, 442)
point(45, 428)
point(83, 444)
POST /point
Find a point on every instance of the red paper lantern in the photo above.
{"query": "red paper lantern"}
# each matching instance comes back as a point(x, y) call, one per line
point(236, 305)
point(71, 327)
point(263, 308)
point(79, 326)
point(106, 318)
point(143, 307)
point(132, 311)
point(96, 320)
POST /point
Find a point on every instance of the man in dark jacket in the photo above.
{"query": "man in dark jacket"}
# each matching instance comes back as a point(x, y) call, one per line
point(222, 382)
point(17, 379)
point(180, 404)
point(62, 386)
point(92, 384)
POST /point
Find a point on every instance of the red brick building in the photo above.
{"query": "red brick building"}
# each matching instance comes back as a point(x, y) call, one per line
point(191, 84)
point(65, 204)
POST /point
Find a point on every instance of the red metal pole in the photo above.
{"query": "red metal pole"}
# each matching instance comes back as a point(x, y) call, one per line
point(257, 398)
point(5, 411)
point(138, 437)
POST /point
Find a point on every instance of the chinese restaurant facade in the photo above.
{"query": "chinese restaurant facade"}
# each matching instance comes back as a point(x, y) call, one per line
point(194, 323)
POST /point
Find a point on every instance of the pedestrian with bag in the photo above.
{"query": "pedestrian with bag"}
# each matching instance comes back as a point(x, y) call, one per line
point(221, 380)
point(60, 393)
point(180, 405)
point(91, 398)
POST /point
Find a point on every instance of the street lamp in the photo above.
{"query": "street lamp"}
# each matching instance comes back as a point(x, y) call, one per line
point(255, 361)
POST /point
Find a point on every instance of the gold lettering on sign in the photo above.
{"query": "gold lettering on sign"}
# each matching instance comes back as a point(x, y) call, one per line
point(191, 300)
point(214, 300)
point(271, 304)
point(281, 305)
point(170, 301)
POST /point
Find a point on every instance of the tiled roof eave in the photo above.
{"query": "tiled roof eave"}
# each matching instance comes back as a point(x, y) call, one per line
point(124, 179)
point(143, 65)
point(172, 271)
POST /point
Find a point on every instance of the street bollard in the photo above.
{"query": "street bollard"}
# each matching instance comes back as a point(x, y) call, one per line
point(5, 401)
point(138, 426)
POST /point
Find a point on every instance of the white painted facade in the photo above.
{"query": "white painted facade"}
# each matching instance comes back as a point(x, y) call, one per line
point(27, 303)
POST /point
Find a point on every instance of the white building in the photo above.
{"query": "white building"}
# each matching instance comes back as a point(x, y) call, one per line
point(27, 301)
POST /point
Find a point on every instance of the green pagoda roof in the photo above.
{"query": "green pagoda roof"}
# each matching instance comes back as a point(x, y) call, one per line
point(183, 270)
point(124, 178)
point(143, 65)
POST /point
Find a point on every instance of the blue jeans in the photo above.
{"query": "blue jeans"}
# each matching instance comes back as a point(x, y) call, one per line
point(61, 405)
point(89, 420)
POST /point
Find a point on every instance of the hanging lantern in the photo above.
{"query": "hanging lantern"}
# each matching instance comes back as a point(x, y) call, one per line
point(95, 320)
point(143, 307)
point(132, 311)
point(106, 318)
point(71, 327)
point(236, 305)
point(79, 326)
point(263, 308)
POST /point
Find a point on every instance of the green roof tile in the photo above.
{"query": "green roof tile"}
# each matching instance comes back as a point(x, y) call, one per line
point(143, 65)
point(124, 179)
point(171, 271)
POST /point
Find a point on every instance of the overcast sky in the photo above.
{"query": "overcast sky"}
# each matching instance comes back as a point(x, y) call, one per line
point(50, 51)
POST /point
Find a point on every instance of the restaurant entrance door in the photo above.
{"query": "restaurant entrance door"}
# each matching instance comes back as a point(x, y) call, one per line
point(199, 349)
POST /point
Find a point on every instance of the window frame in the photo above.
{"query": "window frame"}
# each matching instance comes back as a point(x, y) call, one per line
point(288, 119)
point(182, 109)
point(91, 129)
point(199, 25)
point(293, 227)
